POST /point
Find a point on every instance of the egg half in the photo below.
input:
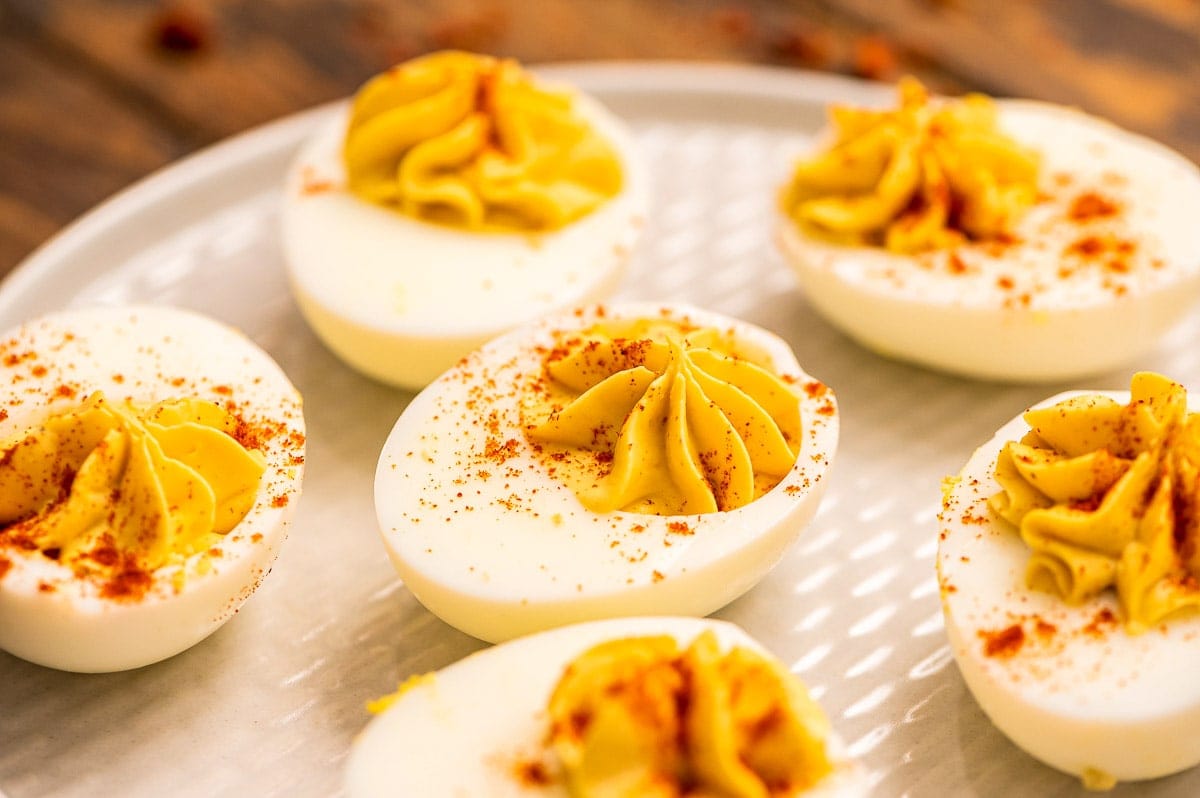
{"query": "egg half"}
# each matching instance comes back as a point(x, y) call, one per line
point(478, 727)
point(401, 299)
point(1064, 682)
point(144, 354)
point(1101, 267)
point(486, 537)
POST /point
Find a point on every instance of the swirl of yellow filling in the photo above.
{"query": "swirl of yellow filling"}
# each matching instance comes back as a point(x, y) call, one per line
point(108, 488)
point(1106, 495)
point(472, 141)
point(656, 418)
point(639, 717)
point(923, 176)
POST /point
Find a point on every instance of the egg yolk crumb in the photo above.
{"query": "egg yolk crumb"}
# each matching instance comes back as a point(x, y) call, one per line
point(1097, 780)
point(641, 717)
point(1108, 496)
point(656, 417)
point(472, 141)
point(381, 704)
point(115, 491)
point(926, 175)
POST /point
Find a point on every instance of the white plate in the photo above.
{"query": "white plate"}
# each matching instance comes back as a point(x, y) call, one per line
point(269, 704)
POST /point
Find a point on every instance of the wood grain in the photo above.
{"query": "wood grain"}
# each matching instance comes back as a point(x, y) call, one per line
point(96, 93)
point(59, 158)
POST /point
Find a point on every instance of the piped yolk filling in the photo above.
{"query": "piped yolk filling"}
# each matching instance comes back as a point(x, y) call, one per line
point(1106, 496)
point(115, 491)
point(471, 141)
point(926, 175)
point(640, 717)
point(655, 417)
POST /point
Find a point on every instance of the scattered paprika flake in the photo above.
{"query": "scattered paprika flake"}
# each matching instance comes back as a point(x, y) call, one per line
point(1103, 620)
point(499, 452)
point(16, 358)
point(1093, 246)
point(311, 187)
point(130, 581)
point(1004, 642)
point(105, 554)
point(533, 773)
point(1044, 629)
point(998, 244)
point(1091, 205)
point(255, 434)
point(815, 388)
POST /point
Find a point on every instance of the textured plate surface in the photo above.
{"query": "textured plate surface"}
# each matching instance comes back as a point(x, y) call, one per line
point(270, 703)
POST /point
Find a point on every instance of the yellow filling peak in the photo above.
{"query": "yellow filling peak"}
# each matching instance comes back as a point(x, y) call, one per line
point(923, 176)
point(639, 717)
point(472, 141)
point(656, 418)
point(110, 487)
point(1107, 495)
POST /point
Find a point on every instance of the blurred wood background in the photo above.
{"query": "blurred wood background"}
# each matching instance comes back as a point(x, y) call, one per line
point(97, 93)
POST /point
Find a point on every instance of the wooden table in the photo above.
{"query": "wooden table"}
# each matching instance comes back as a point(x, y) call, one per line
point(97, 93)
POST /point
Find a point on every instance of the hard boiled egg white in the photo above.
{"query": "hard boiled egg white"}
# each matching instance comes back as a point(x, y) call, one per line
point(145, 354)
point(401, 299)
point(486, 539)
point(1072, 296)
point(474, 727)
point(1065, 683)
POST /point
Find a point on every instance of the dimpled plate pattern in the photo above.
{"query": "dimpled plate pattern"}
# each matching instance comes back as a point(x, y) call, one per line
point(270, 703)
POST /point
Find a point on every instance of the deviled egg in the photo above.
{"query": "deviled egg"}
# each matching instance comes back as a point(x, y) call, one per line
point(1006, 239)
point(632, 706)
point(455, 197)
point(1068, 568)
point(149, 460)
point(612, 461)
